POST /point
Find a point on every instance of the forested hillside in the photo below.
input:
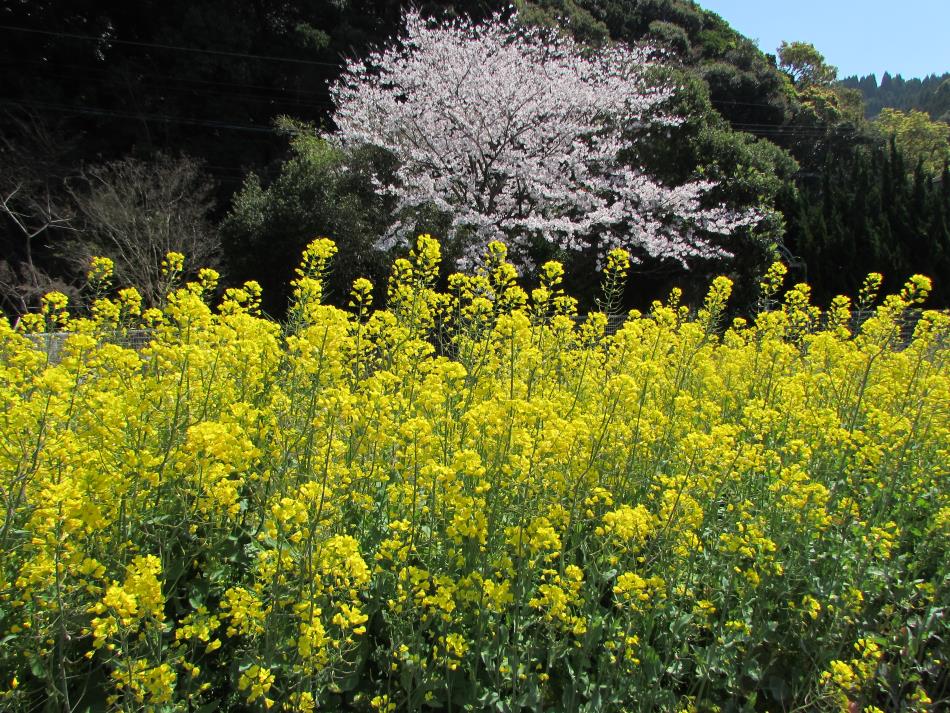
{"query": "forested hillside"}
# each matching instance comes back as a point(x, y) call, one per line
point(930, 94)
point(198, 127)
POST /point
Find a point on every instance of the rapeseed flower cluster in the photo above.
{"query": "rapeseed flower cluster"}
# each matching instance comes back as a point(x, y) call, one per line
point(473, 499)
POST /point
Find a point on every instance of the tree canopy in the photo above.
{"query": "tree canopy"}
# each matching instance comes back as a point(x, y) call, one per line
point(805, 64)
point(519, 134)
point(101, 81)
point(919, 139)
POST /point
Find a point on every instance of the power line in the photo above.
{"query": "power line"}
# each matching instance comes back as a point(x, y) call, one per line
point(801, 131)
point(171, 77)
point(762, 130)
point(732, 101)
point(176, 48)
point(776, 132)
point(804, 133)
point(767, 125)
point(157, 87)
point(135, 116)
point(107, 80)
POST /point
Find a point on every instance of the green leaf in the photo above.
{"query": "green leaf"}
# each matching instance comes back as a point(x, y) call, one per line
point(36, 668)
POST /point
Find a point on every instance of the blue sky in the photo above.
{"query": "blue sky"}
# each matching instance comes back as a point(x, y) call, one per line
point(909, 37)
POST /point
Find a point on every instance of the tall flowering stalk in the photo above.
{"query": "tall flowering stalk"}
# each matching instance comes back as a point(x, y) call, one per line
point(471, 500)
point(517, 134)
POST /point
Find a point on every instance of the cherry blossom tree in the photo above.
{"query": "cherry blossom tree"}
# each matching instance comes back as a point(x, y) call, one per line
point(517, 133)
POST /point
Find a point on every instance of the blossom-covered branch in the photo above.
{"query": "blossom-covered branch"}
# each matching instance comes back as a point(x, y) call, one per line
point(516, 133)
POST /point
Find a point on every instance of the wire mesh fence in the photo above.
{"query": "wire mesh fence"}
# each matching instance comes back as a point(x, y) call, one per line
point(52, 342)
point(908, 322)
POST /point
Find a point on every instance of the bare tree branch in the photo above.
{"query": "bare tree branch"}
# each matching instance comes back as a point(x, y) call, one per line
point(136, 212)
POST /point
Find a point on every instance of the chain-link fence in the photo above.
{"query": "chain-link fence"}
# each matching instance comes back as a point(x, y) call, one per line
point(908, 322)
point(52, 342)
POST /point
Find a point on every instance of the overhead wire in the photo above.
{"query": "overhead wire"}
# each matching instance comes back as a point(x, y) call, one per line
point(111, 81)
point(760, 129)
point(139, 116)
point(188, 80)
point(176, 48)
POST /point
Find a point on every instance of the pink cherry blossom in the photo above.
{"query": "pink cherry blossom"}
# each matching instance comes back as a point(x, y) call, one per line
point(516, 132)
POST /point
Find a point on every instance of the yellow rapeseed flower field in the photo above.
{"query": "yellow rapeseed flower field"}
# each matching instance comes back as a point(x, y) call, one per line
point(474, 500)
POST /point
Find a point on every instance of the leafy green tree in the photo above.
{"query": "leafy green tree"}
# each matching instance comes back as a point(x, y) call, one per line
point(919, 138)
point(566, 15)
point(824, 102)
point(930, 94)
point(321, 190)
point(805, 64)
point(670, 36)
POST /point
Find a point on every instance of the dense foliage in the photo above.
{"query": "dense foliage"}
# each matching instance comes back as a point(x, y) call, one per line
point(521, 134)
point(930, 94)
point(920, 140)
point(474, 500)
point(864, 210)
point(321, 190)
point(103, 80)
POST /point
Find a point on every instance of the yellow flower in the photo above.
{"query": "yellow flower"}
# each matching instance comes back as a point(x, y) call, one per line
point(244, 610)
point(627, 526)
point(257, 681)
point(173, 264)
